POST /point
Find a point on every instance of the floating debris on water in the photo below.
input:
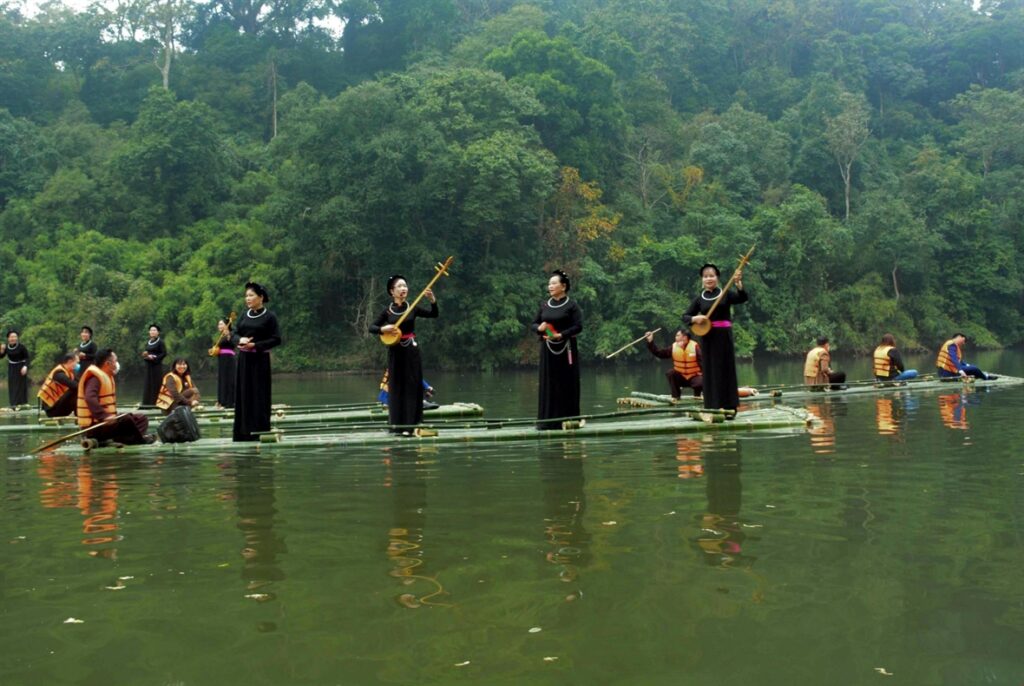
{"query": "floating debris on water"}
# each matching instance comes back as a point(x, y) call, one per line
point(72, 620)
point(882, 671)
point(462, 664)
point(535, 630)
point(551, 658)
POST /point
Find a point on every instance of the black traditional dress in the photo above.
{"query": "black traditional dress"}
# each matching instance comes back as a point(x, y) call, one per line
point(226, 372)
point(86, 356)
point(559, 391)
point(252, 378)
point(154, 371)
point(405, 369)
point(17, 385)
point(717, 348)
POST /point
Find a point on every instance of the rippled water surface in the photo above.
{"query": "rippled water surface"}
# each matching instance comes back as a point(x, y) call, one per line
point(886, 546)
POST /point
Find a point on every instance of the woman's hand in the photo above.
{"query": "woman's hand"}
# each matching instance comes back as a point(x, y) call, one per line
point(649, 336)
point(24, 371)
point(388, 328)
point(430, 295)
point(698, 319)
point(557, 336)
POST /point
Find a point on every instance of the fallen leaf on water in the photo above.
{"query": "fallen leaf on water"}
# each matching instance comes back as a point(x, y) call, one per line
point(125, 578)
point(72, 620)
point(882, 670)
point(115, 588)
point(535, 629)
point(258, 596)
point(462, 664)
point(670, 513)
point(550, 659)
point(610, 523)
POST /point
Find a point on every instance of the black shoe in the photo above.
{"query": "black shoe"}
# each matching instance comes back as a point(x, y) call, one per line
point(430, 405)
point(149, 438)
point(991, 377)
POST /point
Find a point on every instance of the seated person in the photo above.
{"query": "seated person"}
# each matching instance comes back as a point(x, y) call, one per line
point(428, 393)
point(60, 390)
point(888, 363)
point(97, 404)
point(818, 371)
point(177, 388)
point(686, 363)
point(950, 361)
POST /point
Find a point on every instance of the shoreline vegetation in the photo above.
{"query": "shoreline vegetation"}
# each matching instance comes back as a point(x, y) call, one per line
point(873, 153)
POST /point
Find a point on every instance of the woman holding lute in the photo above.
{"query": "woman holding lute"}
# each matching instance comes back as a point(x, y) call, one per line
point(559, 320)
point(405, 368)
point(710, 316)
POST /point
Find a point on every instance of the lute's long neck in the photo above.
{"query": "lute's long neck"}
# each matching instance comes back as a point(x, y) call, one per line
point(412, 306)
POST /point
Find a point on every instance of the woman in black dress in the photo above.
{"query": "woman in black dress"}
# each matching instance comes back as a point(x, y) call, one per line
point(86, 352)
point(153, 355)
point(559, 320)
point(405, 369)
point(717, 348)
point(17, 369)
point(225, 365)
point(257, 332)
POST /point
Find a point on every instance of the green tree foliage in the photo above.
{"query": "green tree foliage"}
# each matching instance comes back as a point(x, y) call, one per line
point(873, 151)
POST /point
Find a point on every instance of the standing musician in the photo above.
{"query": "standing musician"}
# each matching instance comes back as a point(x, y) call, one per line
point(256, 335)
point(97, 403)
point(888, 363)
point(17, 369)
point(405, 367)
point(153, 355)
point(178, 388)
point(559, 320)
point(818, 370)
point(60, 389)
point(717, 347)
point(87, 350)
point(225, 351)
point(686, 363)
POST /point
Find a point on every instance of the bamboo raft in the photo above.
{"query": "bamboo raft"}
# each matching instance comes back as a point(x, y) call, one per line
point(282, 416)
point(776, 394)
point(659, 421)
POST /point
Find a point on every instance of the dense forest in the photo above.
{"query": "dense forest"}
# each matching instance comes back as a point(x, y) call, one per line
point(157, 154)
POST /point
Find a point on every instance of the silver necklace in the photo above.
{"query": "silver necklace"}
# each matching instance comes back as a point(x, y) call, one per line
point(555, 307)
point(704, 294)
point(153, 341)
point(392, 310)
point(255, 316)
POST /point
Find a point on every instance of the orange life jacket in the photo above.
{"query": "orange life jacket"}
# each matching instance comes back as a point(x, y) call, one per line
point(52, 390)
point(108, 396)
point(684, 360)
point(883, 363)
point(944, 361)
point(164, 399)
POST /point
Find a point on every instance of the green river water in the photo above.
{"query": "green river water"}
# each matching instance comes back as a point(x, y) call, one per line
point(885, 547)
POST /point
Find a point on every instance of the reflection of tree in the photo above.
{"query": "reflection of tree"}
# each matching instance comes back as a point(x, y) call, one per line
point(406, 536)
point(256, 506)
point(563, 481)
point(721, 535)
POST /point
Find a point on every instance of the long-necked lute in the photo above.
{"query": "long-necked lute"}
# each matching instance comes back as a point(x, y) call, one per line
point(702, 328)
point(394, 336)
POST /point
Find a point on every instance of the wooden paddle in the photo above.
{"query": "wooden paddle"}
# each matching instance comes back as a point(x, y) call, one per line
point(629, 345)
point(395, 335)
point(703, 327)
point(58, 441)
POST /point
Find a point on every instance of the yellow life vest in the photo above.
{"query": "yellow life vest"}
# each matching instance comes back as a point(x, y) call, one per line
point(812, 365)
point(944, 361)
point(52, 390)
point(883, 363)
point(164, 399)
point(684, 360)
point(108, 396)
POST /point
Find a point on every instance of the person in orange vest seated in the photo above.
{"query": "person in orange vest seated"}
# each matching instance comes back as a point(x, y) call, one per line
point(950, 361)
point(818, 367)
point(60, 390)
point(888, 363)
point(177, 388)
point(97, 404)
point(686, 363)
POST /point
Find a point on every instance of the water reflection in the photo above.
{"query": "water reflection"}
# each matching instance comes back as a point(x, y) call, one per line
point(953, 411)
point(405, 476)
point(721, 537)
point(823, 434)
point(255, 501)
point(92, 490)
point(566, 539)
point(689, 462)
point(893, 413)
